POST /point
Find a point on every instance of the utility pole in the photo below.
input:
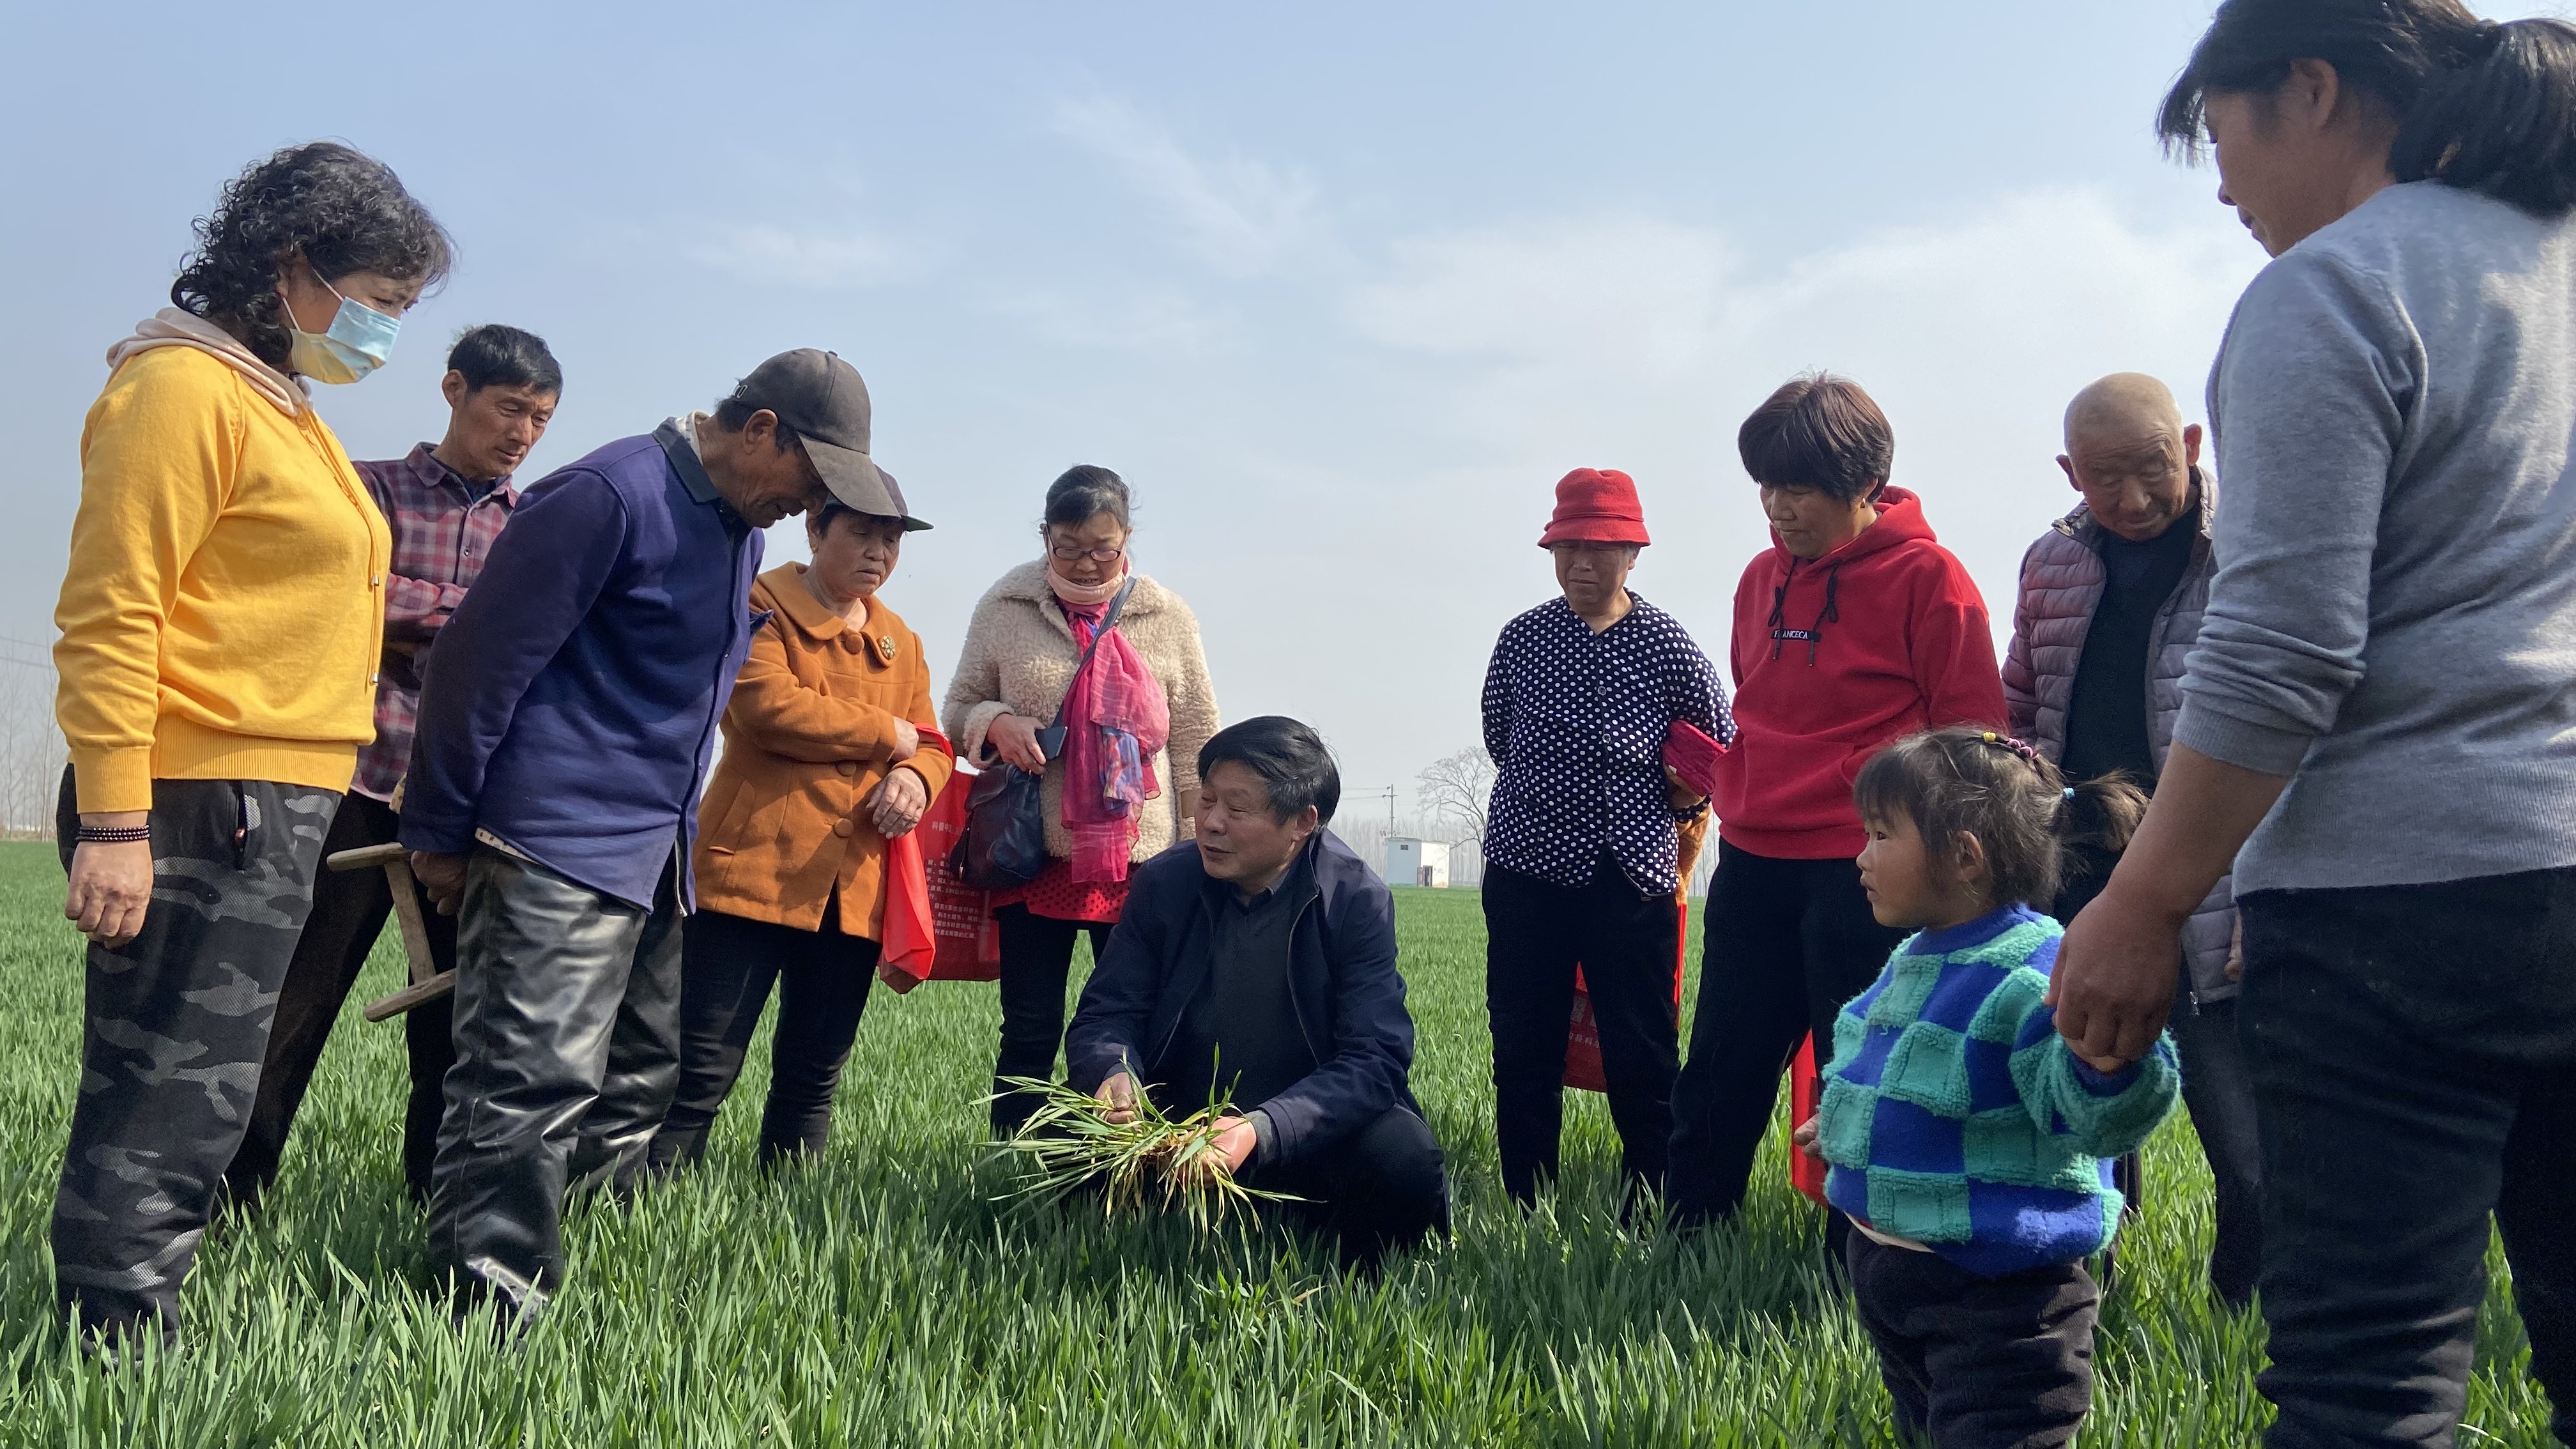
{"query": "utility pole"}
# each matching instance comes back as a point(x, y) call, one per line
point(1389, 793)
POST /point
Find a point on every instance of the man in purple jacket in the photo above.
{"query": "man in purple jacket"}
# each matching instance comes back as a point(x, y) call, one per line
point(566, 726)
point(446, 504)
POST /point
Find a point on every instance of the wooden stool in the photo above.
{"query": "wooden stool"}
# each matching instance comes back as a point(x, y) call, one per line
point(428, 983)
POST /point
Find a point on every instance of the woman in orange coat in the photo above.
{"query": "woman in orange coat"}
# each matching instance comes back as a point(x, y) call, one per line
point(827, 756)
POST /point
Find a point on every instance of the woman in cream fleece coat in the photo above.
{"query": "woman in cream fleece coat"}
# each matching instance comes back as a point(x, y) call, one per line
point(1018, 663)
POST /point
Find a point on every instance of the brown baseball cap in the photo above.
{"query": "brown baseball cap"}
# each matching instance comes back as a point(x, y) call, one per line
point(823, 398)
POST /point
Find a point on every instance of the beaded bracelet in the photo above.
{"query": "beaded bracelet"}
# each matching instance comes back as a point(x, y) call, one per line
point(123, 835)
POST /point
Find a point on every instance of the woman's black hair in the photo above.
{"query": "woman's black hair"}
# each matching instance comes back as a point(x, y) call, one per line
point(1962, 781)
point(342, 211)
point(496, 356)
point(2478, 105)
point(1083, 492)
point(1819, 431)
point(1291, 759)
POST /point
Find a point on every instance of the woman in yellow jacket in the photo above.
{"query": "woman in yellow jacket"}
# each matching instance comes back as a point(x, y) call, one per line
point(221, 619)
point(826, 759)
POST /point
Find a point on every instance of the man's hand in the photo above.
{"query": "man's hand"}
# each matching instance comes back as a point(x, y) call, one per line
point(111, 885)
point(1120, 1093)
point(442, 875)
point(2236, 951)
point(1235, 1140)
point(1804, 1139)
point(2114, 982)
point(907, 740)
point(1014, 738)
point(895, 805)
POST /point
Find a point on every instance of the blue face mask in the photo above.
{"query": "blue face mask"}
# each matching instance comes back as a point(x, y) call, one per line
point(360, 340)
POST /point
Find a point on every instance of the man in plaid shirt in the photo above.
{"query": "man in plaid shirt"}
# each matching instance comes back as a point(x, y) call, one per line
point(446, 504)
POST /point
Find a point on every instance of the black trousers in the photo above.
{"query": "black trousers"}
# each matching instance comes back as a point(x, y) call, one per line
point(1789, 942)
point(1381, 1189)
point(174, 1024)
point(567, 1052)
point(1624, 937)
point(727, 967)
point(349, 911)
point(2414, 1058)
point(1037, 956)
point(1977, 1363)
point(2218, 1091)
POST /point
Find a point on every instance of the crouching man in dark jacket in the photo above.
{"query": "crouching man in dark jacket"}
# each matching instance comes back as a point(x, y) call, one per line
point(1256, 966)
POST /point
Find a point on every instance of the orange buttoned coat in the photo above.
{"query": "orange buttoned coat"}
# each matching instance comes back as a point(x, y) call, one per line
point(807, 737)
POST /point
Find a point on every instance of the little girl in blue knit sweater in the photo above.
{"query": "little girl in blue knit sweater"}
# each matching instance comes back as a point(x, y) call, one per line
point(1967, 1142)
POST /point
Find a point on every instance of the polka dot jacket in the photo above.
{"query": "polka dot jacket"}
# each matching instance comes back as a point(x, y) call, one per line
point(1575, 722)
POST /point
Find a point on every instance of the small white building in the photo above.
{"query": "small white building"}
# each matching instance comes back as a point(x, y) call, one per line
point(1414, 862)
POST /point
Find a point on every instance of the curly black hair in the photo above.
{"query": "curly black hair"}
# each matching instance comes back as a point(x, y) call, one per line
point(340, 210)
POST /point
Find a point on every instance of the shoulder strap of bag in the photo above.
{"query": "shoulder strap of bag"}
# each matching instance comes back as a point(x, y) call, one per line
point(1108, 622)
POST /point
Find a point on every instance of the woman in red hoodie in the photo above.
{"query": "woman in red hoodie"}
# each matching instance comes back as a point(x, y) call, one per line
point(1853, 629)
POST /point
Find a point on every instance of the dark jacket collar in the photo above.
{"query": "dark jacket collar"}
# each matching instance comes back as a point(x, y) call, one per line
point(683, 456)
point(684, 461)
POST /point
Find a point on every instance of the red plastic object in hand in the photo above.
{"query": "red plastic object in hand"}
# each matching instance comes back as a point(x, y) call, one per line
point(1806, 1174)
point(937, 927)
point(1691, 754)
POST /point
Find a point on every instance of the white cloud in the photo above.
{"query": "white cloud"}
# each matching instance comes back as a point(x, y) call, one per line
point(1480, 365)
point(1241, 216)
point(1639, 292)
point(823, 258)
point(1135, 319)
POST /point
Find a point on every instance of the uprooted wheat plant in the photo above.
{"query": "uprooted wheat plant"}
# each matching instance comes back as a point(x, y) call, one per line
point(1131, 1155)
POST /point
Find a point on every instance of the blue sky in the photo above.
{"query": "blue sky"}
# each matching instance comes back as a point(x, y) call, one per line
point(1341, 289)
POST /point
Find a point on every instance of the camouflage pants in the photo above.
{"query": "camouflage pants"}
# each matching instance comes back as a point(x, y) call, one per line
point(173, 1029)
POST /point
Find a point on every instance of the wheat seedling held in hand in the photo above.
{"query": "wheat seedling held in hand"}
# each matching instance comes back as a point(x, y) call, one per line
point(1132, 1154)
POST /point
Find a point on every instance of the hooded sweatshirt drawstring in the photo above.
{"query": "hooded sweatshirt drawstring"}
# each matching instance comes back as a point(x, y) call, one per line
point(1815, 633)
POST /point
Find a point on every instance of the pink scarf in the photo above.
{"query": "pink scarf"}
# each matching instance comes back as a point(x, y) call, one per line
point(1116, 722)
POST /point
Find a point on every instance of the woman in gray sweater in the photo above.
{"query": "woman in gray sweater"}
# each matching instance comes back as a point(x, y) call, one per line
point(2379, 710)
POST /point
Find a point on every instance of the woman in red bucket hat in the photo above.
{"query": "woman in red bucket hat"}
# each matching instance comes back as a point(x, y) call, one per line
point(1581, 847)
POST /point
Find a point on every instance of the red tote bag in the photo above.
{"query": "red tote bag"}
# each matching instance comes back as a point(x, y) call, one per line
point(938, 928)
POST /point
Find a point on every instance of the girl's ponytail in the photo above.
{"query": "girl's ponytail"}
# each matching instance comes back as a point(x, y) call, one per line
point(2102, 812)
point(2502, 121)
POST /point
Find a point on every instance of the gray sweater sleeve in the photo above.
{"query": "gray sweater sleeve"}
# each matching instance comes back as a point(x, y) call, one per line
point(2309, 404)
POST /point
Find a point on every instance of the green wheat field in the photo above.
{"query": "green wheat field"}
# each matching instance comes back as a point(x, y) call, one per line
point(880, 1297)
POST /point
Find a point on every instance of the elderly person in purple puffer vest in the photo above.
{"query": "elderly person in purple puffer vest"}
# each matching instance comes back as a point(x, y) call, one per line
point(2111, 601)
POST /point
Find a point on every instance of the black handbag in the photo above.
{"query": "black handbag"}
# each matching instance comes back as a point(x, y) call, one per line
point(1004, 843)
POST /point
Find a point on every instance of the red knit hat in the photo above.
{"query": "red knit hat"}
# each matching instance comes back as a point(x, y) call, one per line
point(1596, 505)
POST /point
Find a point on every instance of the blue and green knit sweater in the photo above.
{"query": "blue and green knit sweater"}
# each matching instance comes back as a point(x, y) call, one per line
point(1953, 1114)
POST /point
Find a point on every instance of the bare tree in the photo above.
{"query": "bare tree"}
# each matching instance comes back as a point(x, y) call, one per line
point(1453, 793)
point(31, 748)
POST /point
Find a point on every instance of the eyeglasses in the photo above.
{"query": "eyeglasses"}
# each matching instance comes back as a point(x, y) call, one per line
point(1067, 553)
